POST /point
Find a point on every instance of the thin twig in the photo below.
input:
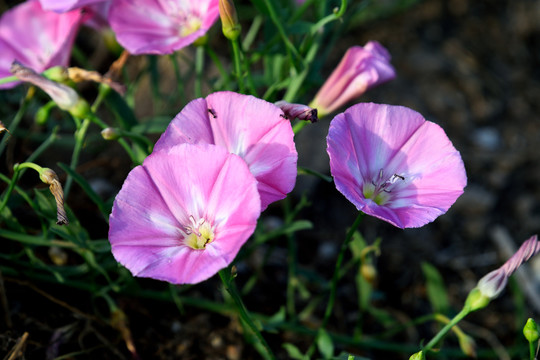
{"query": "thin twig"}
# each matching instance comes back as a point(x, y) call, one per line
point(18, 348)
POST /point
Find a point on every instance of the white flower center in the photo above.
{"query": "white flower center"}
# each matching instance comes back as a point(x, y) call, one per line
point(198, 234)
point(380, 188)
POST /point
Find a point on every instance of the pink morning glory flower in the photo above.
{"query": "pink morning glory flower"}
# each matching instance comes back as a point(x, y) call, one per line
point(61, 6)
point(184, 213)
point(252, 128)
point(159, 26)
point(36, 38)
point(393, 164)
point(360, 69)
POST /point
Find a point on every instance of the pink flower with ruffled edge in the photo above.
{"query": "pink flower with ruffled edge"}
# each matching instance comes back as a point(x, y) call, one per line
point(360, 69)
point(252, 128)
point(36, 38)
point(160, 27)
point(393, 164)
point(184, 213)
point(61, 6)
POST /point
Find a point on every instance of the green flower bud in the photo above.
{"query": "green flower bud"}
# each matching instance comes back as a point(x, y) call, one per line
point(418, 356)
point(110, 134)
point(530, 331)
point(476, 300)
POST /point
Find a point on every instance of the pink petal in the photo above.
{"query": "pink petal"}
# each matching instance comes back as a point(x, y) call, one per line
point(369, 140)
point(249, 127)
point(36, 38)
point(154, 207)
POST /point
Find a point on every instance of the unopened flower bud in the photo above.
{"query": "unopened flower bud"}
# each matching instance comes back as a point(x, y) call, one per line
point(530, 331)
point(57, 73)
point(49, 177)
point(110, 134)
point(476, 300)
point(368, 272)
point(467, 344)
point(417, 356)
point(300, 111)
point(65, 97)
point(43, 113)
point(492, 284)
point(229, 19)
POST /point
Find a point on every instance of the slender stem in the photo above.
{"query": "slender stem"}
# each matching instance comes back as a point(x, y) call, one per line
point(80, 135)
point(8, 79)
point(199, 66)
point(242, 310)
point(13, 125)
point(17, 171)
point(335, 279)
point(178, 76)
point(532, 350)
point(122, 142)
point(291, 260)
point(44, 145)
point(464, 312)
point(237, 64)
point(291, 50)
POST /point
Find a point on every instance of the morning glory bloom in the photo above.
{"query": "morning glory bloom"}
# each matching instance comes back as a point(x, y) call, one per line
point(36, 38)
point(184, 213)
point(252, 128)
point(158, 26)
point(360, 69)
point(393, 164)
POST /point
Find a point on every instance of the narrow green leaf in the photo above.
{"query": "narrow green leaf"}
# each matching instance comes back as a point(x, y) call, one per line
point(325, 344)
point(436, 290)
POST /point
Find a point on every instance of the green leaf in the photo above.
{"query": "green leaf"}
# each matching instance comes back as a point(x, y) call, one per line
point(121, 110)
point(284, 230)
point(325, 344)
point(436, 290)
point(294, 352)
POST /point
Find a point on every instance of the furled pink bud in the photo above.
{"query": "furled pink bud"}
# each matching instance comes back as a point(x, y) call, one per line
point(300, 111)
point(491, 285)
point(229, 20)
point(360, 69)
point(65, 97)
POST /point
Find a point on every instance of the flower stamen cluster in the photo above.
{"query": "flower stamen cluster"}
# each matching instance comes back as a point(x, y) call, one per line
point(380, 188)
point(198, 234)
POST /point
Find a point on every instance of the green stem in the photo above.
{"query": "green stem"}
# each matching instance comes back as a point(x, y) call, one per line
point(335, 279)
point(122, 142)
point(442, 333)
point(80, 135)
point(178, 76)
point(291, 260)
point(8, 79)
point(199, 66)
point(237, 64)
point(242, 310)
point(532, 350)
point(48, 142)
point(291, 50)
point(17, 171)
point(15, 123)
